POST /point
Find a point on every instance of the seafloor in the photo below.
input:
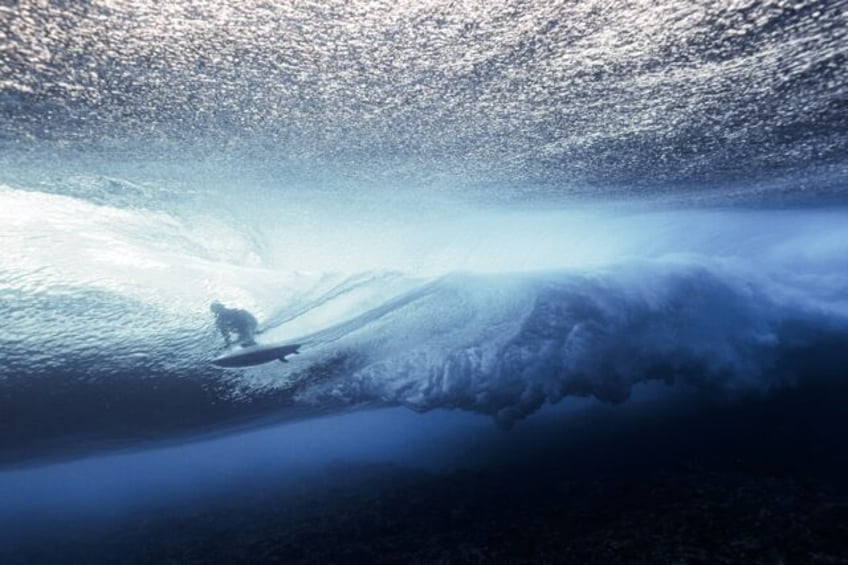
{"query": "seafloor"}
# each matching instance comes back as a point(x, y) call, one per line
point(388, 514)
point(761, 481)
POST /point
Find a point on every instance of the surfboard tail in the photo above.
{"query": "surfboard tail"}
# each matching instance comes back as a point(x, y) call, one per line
point(295, 351)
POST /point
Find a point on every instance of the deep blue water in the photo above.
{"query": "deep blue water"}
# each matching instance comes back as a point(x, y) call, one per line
point(558, 268)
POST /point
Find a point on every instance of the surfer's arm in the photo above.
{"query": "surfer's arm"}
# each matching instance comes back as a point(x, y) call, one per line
point(225, 332)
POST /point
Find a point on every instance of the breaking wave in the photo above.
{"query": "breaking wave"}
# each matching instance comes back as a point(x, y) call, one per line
point(499, 344)
point(108, 334)
point(505, 345)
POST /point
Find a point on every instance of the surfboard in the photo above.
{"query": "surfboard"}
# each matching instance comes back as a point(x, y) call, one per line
point(256, 355)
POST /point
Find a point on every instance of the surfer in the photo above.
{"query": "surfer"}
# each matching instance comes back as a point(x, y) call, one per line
point(235, 320)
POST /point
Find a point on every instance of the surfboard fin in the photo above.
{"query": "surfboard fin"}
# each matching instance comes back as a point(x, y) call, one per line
point(282, 358)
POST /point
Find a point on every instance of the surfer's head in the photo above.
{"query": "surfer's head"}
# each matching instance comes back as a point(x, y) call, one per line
point(216, 307)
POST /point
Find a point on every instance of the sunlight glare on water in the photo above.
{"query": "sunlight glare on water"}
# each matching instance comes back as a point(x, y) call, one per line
point(506, 100)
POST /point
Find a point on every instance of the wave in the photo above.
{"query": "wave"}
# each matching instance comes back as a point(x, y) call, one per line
point(506, 344)
point(497, 344)
point(108, 337)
